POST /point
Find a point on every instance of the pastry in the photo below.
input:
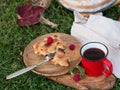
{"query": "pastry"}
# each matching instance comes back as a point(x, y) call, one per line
point(44, 47)
point(60, 58)
point(52, 44)
point(87, 5)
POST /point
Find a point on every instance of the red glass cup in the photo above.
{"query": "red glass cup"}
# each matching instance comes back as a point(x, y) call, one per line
point(94, 59)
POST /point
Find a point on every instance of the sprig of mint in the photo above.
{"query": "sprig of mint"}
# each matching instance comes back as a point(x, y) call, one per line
point(81, 70)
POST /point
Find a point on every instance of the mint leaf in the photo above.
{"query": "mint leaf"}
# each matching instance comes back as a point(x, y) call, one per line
point(82, 71)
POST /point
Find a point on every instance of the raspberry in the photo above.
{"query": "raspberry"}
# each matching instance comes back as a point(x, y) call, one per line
point(50, 40)
point(119, 19)
point(76, 77)
point(72, 47)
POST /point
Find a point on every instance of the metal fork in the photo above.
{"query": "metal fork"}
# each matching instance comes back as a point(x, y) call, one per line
point(22, 71)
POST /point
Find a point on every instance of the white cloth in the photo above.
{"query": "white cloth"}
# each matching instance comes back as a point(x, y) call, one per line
point(101, 29)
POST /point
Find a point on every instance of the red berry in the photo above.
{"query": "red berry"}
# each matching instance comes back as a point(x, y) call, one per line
point(119, 19)
point(76, 77)
point(50, 40)
point(72, 47)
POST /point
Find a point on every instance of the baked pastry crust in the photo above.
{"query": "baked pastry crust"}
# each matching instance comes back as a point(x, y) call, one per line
point(87, 5)
point(60, 58)
point(43, 48)
point(58, 46)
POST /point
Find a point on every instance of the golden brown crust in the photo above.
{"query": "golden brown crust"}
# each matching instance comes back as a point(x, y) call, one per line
point(85, 7)
point(60, 58)
point(42, 48)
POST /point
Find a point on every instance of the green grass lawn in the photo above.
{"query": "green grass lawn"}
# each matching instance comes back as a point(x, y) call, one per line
point(14, 39)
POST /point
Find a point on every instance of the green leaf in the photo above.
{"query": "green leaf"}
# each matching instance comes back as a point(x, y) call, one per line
point(82, 71)
point(71, 71)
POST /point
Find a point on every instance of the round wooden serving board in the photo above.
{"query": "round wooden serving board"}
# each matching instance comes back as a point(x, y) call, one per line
point(48, 69)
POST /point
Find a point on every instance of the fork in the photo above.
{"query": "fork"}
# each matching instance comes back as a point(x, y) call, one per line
point(22, 71)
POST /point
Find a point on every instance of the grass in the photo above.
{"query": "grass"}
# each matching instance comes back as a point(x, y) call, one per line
point(14, 39)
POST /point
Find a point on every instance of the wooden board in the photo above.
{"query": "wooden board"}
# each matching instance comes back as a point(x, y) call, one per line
point(48, 69)
point(86, 83)
point(117, 2)
point(59, 74)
